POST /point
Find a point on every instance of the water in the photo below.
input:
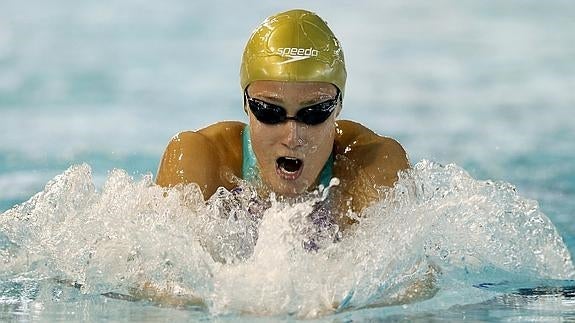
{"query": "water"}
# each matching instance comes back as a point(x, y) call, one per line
point(478, 237)
point(483, 88)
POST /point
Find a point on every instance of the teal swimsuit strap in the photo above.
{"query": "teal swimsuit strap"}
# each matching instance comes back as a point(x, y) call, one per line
point(250, 169)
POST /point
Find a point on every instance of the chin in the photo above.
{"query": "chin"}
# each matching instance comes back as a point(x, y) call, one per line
point(290, 190)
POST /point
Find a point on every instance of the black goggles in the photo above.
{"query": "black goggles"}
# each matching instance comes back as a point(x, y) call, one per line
point(272, 114)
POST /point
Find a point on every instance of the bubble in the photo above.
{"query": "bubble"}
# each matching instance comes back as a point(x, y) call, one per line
point(240, 253)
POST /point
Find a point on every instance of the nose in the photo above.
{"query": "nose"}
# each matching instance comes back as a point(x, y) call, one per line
point(292, 138)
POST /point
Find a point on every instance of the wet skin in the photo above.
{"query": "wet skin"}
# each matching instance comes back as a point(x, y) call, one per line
point(364, 161)
point(291, 140)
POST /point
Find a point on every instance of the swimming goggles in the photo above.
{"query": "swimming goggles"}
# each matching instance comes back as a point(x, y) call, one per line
point(273, 114)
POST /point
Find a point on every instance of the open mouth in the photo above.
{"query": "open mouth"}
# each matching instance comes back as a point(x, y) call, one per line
point(288, 167)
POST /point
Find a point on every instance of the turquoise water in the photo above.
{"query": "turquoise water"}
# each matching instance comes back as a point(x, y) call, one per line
point(485, 86)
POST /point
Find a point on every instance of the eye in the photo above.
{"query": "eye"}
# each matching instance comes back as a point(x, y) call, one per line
point(317, 113)
point(266, 112)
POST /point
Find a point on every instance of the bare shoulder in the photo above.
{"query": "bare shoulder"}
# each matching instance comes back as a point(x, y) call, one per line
point(222, 137)
point(224, 130)
point(379, 156)
point(353, 139)
point(365, 162)
point(202, 157)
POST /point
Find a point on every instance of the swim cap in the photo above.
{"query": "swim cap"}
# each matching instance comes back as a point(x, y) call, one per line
point(295, 45)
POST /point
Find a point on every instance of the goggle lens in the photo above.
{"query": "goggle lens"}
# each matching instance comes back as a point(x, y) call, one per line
point(269, 113)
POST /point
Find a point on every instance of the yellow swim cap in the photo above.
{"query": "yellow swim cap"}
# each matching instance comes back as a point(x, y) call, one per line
point(295, 45)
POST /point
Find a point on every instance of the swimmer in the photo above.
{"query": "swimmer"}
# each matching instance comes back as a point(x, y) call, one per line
point(292, 78)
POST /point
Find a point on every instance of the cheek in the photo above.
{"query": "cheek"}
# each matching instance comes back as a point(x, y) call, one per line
point(257, 129)
point(328, 132)
point(261, 136)
point(263, 139)
point(321, 137)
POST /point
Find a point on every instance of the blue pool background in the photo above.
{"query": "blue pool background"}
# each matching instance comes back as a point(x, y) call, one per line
point(485, 85)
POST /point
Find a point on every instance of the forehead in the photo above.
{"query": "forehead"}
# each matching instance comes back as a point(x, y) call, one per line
point(300, 89)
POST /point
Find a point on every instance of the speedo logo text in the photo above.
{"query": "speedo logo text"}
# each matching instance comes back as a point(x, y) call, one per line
point(296, 54)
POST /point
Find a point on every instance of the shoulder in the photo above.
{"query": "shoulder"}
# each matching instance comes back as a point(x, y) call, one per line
point(201, 156)
point(379, 156)
point(365, 162)
point(350, 135)
point(214, 132)
point(225, 135)
point(222, 140)
point(223, 130)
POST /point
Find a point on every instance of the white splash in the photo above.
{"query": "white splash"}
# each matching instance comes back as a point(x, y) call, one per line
point(437, 220)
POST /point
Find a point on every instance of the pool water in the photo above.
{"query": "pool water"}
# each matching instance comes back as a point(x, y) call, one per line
point(478, 93)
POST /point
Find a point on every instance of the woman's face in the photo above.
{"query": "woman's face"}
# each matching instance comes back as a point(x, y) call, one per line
point(291, 154)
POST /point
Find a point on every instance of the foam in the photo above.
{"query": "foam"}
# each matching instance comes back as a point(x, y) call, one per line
point(437, 222)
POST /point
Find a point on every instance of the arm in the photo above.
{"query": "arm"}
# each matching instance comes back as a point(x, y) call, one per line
point(206, 157)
